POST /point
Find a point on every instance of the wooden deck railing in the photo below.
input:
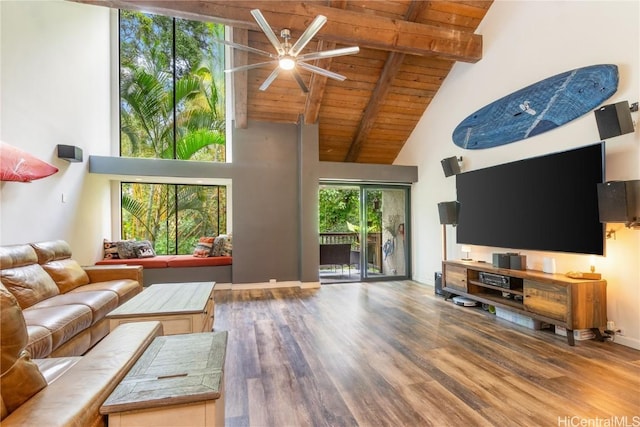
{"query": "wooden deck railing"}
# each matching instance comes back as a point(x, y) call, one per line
point(374, 244)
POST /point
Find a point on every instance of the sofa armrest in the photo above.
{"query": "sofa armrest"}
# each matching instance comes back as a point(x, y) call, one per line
point(74, 399)
point(104, 273)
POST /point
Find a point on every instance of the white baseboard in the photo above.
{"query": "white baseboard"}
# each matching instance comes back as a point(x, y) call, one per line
point(265, 285)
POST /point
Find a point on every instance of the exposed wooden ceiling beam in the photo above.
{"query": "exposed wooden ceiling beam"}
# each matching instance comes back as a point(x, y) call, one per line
point(240, 79)
point(316, 87)
point(343, 26)
point(389, 72)
point(319, 82)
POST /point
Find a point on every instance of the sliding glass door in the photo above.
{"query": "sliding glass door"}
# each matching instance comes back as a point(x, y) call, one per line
point(386, 219)
point(364, 232)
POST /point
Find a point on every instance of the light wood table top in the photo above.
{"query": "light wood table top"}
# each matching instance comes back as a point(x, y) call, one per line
point(166, 298)
point(174, 370)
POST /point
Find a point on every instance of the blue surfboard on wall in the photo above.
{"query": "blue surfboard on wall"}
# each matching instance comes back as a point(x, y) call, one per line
point(538, 108)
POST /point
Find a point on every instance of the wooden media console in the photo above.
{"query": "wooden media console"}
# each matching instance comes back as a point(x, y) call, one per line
point(551, 298)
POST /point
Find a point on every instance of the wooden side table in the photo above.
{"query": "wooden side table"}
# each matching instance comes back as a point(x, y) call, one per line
point(182, 308)
point(178, 381)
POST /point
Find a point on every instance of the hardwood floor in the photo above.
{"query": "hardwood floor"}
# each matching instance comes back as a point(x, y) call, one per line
point(393, 354)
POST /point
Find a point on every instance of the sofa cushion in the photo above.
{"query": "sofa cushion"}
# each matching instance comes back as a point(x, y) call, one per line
point(75, 398)
point(125, 289)
point(17, 256)
point(67, 274)
point(40, 343)
point(100, 302)
point(51, 250)
point(20, 378)
point(29, 284)
point(53, 367)
point(63, 321)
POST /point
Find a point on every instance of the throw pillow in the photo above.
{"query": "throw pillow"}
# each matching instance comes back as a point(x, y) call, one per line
point(218, 245)
point(203, 248)
point(110, 249)
point(228, 245)
point(144, 249)
point(127, 249)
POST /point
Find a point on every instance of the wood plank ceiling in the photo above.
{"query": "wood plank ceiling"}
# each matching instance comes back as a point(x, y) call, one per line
point(407, 48)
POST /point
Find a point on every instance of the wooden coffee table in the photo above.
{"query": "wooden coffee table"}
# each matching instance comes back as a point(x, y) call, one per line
point(181, 307)
point(178, 381)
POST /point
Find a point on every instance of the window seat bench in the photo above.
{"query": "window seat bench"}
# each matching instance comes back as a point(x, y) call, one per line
point(179, 268)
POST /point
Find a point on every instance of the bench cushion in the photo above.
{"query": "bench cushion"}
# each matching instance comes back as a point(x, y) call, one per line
point(164, 261)
point(191, 261)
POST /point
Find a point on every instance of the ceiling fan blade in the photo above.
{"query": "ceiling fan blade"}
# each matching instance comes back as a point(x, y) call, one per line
point(250, 66)
point(321, 71)
point(329, 53)
point(298, 78)
point(246, 48)
point(308, 34)
point(270, 79)
point(266, 29)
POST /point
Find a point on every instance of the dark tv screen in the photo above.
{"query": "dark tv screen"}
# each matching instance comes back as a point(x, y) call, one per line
point(547, 203)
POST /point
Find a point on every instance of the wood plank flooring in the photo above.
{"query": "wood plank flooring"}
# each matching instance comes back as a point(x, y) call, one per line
point(393, 354)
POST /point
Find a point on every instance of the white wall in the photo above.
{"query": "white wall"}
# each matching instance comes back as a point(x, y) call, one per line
point(524, 42)
point(55, 89)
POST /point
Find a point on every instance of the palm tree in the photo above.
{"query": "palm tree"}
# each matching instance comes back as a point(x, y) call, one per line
point(155, 112)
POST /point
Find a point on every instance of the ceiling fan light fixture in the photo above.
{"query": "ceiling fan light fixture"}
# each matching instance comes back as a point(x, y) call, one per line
point(287, 63)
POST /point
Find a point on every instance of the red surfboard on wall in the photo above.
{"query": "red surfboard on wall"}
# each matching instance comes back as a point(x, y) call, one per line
point(18, 165)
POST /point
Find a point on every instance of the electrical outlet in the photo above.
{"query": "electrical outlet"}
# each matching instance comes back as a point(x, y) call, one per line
point(272, 280)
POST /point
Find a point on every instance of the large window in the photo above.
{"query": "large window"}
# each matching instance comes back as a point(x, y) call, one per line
point(171, 88)
point(172, 106)
point(171, 216)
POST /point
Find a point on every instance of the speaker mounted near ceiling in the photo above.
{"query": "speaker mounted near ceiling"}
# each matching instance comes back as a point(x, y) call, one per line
point(451, 166)
point(615, 119)
point(70, 153)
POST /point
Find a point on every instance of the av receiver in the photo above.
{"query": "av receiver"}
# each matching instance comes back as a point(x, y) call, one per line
point(499, 280)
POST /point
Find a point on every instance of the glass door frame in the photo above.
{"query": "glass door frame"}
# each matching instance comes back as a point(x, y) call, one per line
point(364, 257)
point(363, 188)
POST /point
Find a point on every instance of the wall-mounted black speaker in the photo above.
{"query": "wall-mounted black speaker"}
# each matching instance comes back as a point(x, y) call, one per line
point(448, 212)
point(614, 120)
point(450, 166)
point(619, 201)
point(70, 153)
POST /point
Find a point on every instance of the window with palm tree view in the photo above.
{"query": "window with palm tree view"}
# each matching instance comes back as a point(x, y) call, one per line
point(172, 106)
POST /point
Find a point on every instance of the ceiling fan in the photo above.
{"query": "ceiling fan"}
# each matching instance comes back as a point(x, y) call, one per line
point(287, 56)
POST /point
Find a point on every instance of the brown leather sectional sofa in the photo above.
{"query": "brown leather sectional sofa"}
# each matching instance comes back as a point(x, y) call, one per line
point(52, 311)
point(63, 304)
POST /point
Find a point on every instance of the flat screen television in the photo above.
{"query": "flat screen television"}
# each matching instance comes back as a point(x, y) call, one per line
point(546, 203)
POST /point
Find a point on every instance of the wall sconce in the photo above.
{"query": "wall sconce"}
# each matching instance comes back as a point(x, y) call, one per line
point(451, 165)
point(615, 119)
point(466, 250)
point(70, 153)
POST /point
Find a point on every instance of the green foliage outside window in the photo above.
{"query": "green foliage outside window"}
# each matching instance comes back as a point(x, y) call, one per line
point(171, 107)
point(340, 210)
point(172, 216)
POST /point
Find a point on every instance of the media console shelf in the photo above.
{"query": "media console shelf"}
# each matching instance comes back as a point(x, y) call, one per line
point(551, 298)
